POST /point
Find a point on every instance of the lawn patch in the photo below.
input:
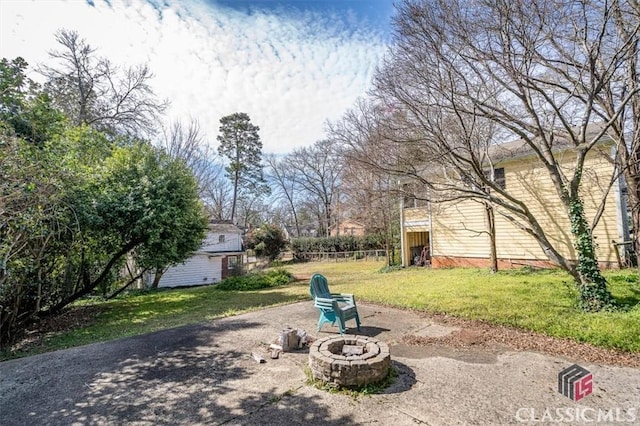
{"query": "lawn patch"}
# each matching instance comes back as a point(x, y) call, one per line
point(539, 300)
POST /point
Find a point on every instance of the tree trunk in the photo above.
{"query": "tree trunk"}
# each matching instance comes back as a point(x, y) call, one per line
point(594, 294)
point(123, 288)
point(296, 222)
point(157, 276)
point(327, 217)
point(491, 225)
point(235, 197)
point(88, 286)
point(632, 180)
point(387, 249)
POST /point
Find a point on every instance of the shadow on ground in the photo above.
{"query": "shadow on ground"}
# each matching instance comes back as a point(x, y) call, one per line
point(405, 378)
point(178, 376)
point(367, 331)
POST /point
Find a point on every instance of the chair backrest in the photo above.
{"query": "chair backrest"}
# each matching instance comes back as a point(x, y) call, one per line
point(318, 286)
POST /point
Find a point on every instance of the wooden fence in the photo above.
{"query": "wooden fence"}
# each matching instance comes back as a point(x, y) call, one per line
point(345, 256)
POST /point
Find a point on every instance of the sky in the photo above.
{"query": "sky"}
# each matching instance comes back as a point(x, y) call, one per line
point(290, 65)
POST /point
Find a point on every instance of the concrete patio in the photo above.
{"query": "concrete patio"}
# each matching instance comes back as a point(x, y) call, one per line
point(205, 374)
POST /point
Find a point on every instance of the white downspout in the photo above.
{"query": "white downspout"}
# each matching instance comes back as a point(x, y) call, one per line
point(402, 237)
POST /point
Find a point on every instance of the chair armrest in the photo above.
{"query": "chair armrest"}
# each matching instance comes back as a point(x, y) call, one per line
point(325, 302)
point(344, 297)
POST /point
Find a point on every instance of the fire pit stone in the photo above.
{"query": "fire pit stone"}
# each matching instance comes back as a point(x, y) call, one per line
point(349, 361)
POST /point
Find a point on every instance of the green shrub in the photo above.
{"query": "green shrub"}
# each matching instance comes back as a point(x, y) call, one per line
point(257, 281)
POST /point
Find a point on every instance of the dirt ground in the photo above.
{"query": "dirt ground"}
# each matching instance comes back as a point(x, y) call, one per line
point(449, 371)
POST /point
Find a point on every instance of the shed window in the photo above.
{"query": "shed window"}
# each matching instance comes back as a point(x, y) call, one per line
point(221, 239)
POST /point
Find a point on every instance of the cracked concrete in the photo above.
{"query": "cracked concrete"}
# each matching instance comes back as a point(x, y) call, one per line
point(204, 374)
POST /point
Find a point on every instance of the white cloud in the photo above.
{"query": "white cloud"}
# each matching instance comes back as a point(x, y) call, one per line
point(290, 71)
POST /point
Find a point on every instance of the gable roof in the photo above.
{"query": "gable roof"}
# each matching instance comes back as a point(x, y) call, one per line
point(520, 148)
point(224, 228)
point(516, 150)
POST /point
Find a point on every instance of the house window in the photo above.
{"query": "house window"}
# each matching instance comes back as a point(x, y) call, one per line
point(498, 177)
point(409, 199)
point(221, 239)
point(413, 196)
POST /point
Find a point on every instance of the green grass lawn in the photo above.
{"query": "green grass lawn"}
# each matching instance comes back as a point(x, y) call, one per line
point(542, 301)
point(132, 315)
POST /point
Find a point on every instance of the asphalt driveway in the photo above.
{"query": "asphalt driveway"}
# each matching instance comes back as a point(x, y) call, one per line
point(205, 374)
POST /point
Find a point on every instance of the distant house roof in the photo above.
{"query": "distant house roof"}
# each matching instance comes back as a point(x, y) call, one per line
point(224, 228)
point(347, 222)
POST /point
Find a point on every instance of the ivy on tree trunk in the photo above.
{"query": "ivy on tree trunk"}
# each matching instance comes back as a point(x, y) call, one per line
point(594, 294)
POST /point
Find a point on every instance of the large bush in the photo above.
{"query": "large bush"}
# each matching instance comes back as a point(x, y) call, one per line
point(74, 208)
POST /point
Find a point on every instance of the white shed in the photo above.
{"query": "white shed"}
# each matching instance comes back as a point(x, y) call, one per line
point(221, 251)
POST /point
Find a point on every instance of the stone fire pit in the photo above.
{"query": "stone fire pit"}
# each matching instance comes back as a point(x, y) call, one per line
point(349, 361)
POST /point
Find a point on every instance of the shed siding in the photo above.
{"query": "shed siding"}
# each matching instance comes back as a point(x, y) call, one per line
point(197, 270)
point(231, 243)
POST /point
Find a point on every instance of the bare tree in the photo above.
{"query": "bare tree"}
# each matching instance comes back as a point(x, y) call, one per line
point(361, 196)
point(374, 164)
point(619, 102)
point(319, 170)
point(252, 211)
point(283, 180)
point(371, 198)
point(464, 77)
point(218, 198)
point(92, 91)
point(187, 143)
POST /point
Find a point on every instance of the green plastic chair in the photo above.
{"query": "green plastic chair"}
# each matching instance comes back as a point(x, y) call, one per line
point(333, 307)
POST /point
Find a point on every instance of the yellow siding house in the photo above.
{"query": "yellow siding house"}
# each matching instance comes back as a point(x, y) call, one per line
point(445, 234)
